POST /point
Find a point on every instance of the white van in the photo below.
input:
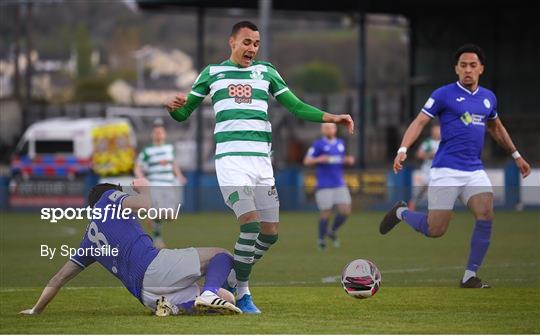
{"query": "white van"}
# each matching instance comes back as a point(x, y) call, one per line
point(62, 146)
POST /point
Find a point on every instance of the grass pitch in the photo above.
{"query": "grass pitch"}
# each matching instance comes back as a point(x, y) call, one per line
point(295, 285)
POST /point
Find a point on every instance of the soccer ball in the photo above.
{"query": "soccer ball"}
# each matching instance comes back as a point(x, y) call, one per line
point(361, 279)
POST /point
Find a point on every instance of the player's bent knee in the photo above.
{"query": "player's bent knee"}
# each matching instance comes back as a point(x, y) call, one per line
point(206, 254)
point(438, 226)
point(325, 214)
point(219, 250)
point(248, 217)
point(437, 231)
point(345, 211)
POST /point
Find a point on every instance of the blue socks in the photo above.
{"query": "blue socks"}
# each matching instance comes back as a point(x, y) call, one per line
point(417, 220)
point(338, 221)
point(479, 244)
point(187, 307)
point(479, 241)
point(217, 272)
point(323, 226)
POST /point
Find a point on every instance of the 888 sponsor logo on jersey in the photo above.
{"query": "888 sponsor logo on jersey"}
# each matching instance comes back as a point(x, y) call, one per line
point(241, 93)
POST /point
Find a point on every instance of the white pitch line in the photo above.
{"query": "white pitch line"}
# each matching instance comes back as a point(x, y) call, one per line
point(454, 281)
point(332, 279)
point(337, 278)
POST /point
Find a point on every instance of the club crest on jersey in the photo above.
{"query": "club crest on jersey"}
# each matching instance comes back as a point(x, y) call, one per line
point(487, 104)
point(240, 92)
point(256, 74)
point(248, 190)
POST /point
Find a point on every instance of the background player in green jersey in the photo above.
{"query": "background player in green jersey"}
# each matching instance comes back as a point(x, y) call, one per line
point(425, 152)
point(240, 88)
point(156, 162)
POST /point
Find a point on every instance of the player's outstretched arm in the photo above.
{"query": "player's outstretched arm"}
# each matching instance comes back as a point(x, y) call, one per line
point(66, 273)
point(143, 199)
point(138, 171)
point(498, 132)
point(311, 161)
point(340, 119)
point(411, 134)
point(307, 112)
point(181, 107)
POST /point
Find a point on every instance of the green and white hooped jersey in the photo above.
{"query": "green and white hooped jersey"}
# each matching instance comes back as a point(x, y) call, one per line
point(240, 100)
point(157, 164)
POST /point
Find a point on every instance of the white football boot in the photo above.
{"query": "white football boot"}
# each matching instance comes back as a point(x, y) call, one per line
point(209, 303)
point(165, 308)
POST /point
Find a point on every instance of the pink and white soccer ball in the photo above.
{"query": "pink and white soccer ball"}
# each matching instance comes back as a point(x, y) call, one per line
point(361, 279)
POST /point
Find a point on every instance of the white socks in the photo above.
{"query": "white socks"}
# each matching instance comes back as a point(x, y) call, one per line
point(399, 212)
point(242, 289)
point(468, 274)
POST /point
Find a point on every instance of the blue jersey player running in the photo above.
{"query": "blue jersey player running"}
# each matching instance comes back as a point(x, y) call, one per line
point(465, 110)
point(163, 280)
point(328, 155)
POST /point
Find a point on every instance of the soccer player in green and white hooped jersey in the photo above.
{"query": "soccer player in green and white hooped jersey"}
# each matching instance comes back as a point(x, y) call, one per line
point(157, 164)
point(240, 88)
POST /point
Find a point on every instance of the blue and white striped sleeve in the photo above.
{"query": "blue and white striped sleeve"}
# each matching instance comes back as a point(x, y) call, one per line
point(493, 114)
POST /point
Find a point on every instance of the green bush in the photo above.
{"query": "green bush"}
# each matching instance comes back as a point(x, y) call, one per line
point(317, 77)
point(92, 89)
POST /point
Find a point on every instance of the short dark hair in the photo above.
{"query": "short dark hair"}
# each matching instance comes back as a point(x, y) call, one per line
point(470, 48)
point(98, 190)
point(158, 122)
point(243, 24)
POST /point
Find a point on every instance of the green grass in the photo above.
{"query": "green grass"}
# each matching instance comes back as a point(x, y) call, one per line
point(295, 284)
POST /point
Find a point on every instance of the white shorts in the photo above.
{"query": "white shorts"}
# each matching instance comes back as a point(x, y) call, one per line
point(173, 274)
point(247, 184)
point(326, 198)
point(446, 185)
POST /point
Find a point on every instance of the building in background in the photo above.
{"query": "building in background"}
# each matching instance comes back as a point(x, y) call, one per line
point(160, 76)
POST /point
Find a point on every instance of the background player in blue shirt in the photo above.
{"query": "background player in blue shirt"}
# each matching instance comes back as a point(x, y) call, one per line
point(163, 280)
point(328, 154)
point(464, 109)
